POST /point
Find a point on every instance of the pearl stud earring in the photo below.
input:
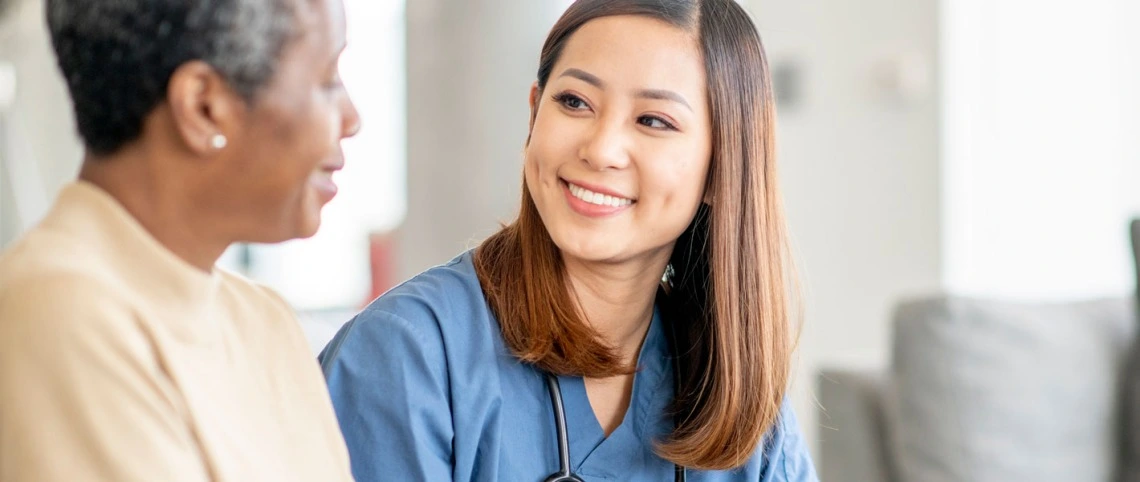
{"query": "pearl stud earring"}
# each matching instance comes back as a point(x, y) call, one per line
point(218, 141)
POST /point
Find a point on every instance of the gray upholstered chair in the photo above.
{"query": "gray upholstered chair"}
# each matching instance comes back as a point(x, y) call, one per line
point(985, 391)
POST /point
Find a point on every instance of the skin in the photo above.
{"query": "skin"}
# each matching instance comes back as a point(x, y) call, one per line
point(273, 176)
point(625, 111)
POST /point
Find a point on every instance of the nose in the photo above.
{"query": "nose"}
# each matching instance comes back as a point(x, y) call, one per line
point(606, 148)
point(350, 118)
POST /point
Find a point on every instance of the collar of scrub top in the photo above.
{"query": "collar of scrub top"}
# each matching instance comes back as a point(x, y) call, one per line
point(564, 473)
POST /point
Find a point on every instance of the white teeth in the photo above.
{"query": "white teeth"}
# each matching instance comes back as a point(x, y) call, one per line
point(598, 198)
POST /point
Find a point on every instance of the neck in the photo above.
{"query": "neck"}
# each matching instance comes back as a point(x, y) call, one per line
point(159, 202)
point(617, 300)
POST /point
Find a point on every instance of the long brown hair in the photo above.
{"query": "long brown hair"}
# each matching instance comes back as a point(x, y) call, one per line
point(729, 301)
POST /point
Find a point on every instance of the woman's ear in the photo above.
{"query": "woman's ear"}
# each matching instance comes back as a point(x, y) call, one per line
point(203, 107)
point(534, 98)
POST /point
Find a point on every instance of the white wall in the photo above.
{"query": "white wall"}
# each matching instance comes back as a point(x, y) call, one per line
point(1041, 146)
point(860, 171)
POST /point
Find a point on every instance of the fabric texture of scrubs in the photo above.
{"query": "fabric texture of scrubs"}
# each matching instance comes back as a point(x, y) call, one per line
point(426, 389)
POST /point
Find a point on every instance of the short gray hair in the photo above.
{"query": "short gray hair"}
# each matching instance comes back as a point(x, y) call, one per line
point(117, 56)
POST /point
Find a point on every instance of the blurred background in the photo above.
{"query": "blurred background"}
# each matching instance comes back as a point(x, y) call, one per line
point(959, 178)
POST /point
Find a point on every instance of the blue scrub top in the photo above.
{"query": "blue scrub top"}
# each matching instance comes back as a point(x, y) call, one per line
point(425, 389)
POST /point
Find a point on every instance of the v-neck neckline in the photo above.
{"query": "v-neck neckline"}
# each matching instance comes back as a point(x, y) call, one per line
point(593, 453)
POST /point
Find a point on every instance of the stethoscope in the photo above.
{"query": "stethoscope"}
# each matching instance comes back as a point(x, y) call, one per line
point(564, 473)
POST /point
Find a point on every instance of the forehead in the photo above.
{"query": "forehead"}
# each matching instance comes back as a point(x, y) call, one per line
point(636, 52)
point(320, 23)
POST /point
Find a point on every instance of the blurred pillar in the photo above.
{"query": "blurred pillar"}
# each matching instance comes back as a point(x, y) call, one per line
point(42, 143)
point(470, 67)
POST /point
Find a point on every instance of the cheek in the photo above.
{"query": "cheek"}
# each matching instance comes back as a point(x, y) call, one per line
point(682, 181)
point(311, 124)
point(553, 141)
point(304, 136)
point(536, 166)
point(300, 113)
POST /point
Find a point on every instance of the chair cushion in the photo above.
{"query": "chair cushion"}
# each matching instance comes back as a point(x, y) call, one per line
point(852, 438)
point(998, 392)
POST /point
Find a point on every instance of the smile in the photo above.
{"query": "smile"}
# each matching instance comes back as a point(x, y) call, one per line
point(597, 198)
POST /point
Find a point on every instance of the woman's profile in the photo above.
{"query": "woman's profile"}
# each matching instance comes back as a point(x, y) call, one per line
point(125, 354)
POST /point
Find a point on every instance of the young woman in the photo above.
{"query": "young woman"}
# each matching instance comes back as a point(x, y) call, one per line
point(634, 322)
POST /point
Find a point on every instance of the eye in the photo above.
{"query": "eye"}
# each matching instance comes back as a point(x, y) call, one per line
point(571, 101)
point(655, 122)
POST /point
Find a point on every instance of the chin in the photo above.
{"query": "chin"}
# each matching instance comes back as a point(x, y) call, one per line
point(304, 225)
point(588, 248)
point(308, 227)
point(308, 216)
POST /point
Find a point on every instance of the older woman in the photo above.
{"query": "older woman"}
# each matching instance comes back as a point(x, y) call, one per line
point(125, 354)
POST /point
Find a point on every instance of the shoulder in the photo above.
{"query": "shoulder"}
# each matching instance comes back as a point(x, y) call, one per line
point(438, 293)
point(785, 452)
point(50, 278)
point(444, 298)
point(437, 311)
point(54, 299)
point(45, 255)
point(59, 321)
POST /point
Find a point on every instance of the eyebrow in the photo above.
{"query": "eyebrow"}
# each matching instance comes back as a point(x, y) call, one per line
point(655, 94)
point(658, 94)
point(584, 77)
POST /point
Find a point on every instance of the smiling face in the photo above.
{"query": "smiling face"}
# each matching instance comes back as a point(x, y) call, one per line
point(621, 140)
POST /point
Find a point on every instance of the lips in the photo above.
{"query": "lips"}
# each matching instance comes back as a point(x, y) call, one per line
point(599, 203)
point(324, 185)
point(321, 179)
point(595, 194)
point(597, 198)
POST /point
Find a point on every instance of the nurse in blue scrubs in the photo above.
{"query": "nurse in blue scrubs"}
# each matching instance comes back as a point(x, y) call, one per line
point(636, 321)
